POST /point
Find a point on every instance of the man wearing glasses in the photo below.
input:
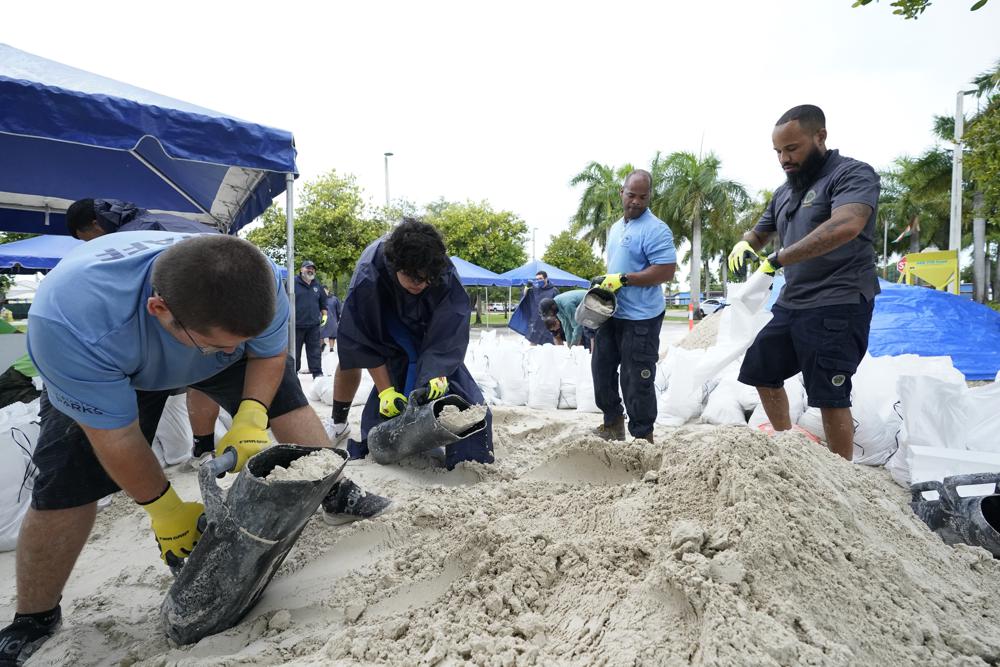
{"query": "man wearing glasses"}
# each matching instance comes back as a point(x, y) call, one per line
point(406, 320)
point(120, 322)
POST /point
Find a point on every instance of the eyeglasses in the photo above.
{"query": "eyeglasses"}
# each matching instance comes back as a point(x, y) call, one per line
point(205, 350)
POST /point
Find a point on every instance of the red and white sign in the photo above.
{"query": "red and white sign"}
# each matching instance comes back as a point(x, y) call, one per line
point(901, 264)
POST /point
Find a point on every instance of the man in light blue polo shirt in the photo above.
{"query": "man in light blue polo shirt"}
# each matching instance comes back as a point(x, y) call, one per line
point(641, 257)
point(114, 328)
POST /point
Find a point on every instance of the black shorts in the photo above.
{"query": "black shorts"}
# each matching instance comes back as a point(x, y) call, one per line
point(69, 474)
point(826, 344)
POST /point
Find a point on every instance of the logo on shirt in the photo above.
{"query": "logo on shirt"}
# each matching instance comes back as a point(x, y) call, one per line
point(75, 405)
point(626, 239)
point(808, 199)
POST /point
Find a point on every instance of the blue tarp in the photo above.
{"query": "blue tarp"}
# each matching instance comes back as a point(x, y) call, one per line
point(470, 274)
point(931, 323)
point(557, 277)
point(67, 134)
point(40, 253)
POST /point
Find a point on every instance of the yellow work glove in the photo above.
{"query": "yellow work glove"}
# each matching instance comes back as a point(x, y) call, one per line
point(175, 524)
point(248, 434)
point(391, 402)
point(742, 251)
point(611, 281)
point(769, 265)
point(322, 321)
point(438, 388)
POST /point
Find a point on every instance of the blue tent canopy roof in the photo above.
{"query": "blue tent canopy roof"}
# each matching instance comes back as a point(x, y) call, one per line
point(557, 276)
point(67, 134)
point(472, 274)
point(40, 253)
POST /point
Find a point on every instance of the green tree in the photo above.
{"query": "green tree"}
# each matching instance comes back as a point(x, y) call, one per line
point(983, 156)
point(690, 194)
point(332, 227)
point(475, 232)
point(574, 255)
point(915, 198)
point(912, 9)
point(601, 202)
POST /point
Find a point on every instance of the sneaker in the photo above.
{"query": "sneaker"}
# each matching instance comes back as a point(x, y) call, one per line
point(613, 431)
point(200, 454)
point(348, 502)
point(24, 636)
point(338, 433)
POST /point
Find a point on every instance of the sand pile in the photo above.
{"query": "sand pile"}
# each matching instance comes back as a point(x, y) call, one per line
point(716, 546)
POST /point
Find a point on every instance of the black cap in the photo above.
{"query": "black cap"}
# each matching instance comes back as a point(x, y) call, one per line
point(306, 264)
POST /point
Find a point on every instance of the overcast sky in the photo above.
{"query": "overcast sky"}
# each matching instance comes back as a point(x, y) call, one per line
point(507, 101)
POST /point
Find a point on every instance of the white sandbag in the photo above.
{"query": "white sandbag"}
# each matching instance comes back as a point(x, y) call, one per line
point(543, 363)
point(328, 361)
point(567, 381)
point(723, 406)
point(936, 463)
point(364, 389)
point(983, 417)
point(174, 440)
point(507, 366)
point(18, 437)
point(933, 412)
point(683, 398)
point(585, 400)
point(739, 324)
point(322, 389)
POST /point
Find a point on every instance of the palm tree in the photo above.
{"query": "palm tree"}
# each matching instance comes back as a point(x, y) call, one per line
point(600, 204)
point(745, 218)
point(690, 193)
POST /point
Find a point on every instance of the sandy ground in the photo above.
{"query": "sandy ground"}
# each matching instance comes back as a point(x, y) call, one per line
point(715, 546)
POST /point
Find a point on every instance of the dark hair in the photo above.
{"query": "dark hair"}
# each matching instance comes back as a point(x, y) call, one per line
point(217, 281)
point(547, 306)
point(639, 172)
point(543, 274)
point(79, 216)
point(810, 117)
point(416, 248)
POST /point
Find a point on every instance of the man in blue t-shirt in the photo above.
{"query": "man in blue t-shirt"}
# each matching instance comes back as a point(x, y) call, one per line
point(641, 257)
point(119, 323)
point(823, 218)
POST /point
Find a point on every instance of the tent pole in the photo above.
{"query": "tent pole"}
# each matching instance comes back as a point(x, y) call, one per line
point(486, 302)
point(290, 256)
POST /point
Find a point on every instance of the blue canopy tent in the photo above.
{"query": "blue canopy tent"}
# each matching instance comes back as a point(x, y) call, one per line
point(40, 253)
point(473, 274)
point(557, 277)
point(470, 275)
point(67, 134)
point(931, 323)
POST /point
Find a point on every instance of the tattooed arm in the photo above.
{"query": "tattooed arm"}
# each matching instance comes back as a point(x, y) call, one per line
point(845, 223)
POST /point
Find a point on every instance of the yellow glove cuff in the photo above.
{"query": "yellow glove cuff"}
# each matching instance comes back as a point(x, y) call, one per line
point(251, 413)
point(384, 394)
point(167, 503)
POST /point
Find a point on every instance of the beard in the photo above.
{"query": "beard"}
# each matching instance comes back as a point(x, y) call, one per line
point(808, 171)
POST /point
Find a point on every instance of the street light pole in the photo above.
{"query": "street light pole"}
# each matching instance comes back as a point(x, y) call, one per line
point(533, 230)
point(387, 156)
point(955, 226)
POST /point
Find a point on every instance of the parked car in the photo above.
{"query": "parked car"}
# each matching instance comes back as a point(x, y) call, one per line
point(709, 306)
point(497, 307)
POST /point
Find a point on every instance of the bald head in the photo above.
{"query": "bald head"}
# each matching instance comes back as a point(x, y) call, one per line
point(636, 193)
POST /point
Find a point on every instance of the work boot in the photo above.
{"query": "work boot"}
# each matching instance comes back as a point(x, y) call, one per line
point(613, 431)
point(23, 637)
point(348, 502)
point(648, 438)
